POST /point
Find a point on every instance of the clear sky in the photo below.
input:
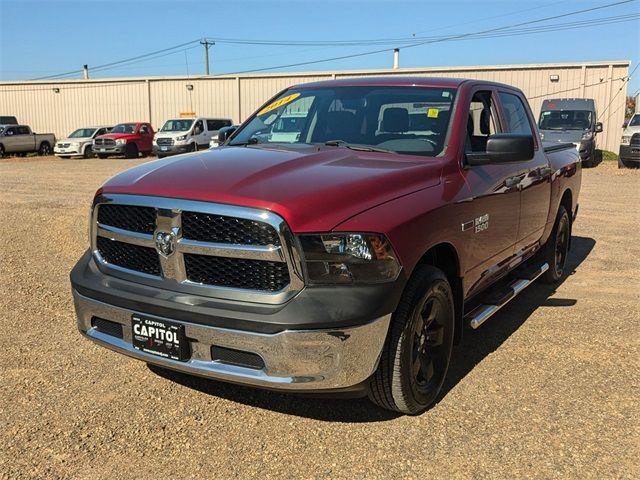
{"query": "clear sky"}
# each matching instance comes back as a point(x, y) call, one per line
point(41, 38)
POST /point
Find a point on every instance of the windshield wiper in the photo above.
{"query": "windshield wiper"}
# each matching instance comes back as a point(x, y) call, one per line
point(356, 146)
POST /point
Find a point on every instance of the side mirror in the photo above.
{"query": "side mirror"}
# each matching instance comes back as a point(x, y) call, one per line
point(224, 133)
point(504, 148)
point(599, 127)
point(625, 124)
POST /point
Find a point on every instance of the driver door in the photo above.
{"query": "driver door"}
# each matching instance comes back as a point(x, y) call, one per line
point(490, 223)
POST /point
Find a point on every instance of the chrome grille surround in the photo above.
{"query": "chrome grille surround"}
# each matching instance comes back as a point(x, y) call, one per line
point(174, 276)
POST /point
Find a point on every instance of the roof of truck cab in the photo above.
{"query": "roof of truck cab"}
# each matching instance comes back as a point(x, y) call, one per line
point(394, 81)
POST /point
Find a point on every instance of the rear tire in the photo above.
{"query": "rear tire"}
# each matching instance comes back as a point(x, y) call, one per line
point(557, 247)
point(416, 355)
point(45, 149)
point(131, 151)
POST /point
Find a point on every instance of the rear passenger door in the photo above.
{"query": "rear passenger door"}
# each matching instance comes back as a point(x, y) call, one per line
point(200, 134)
point(535, 183)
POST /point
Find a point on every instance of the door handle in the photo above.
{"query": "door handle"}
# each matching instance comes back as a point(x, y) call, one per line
point(511, 182)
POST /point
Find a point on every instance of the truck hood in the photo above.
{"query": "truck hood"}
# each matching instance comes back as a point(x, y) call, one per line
point(313, 188)
point(115, 136)
point(569, 136)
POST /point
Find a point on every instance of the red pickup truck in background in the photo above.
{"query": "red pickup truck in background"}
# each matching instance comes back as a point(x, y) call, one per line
point(345, 258)
point(128, 139)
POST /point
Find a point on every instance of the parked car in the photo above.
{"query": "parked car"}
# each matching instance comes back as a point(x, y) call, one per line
point(19, 139)
point(572, 120)
point(80, 142)
point(128, 139)
point(213, 143)
point(8, 120)
point(629, 155)
point(180, 135)
point(344, 261)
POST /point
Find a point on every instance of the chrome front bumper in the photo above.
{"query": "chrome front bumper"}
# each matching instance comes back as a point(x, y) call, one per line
point(304, 360)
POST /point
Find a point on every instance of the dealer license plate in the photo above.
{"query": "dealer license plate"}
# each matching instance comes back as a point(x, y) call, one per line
point(160, 337)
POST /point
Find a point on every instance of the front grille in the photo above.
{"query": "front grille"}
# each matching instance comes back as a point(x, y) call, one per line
point(236, 357)
point(107, 142)
point(635, 139)
point(64, 145)
point(236, 272)
point(128, 217)
point(127, 255)
point(220, 229)
point(107, 326)
point(164, 141)
point(207, 249)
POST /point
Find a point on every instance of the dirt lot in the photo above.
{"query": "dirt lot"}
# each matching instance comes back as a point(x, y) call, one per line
point(548, 388)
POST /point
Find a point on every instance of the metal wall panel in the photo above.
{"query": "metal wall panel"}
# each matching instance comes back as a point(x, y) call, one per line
point(156, 99)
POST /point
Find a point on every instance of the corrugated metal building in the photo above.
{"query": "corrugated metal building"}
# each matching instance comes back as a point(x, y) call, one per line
point(62, 106)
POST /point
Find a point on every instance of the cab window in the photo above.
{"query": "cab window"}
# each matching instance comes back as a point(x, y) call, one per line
point(481, 122)
point(516, 119)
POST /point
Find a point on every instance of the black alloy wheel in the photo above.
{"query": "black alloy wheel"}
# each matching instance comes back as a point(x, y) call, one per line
point(417, 351)
point(557, 247)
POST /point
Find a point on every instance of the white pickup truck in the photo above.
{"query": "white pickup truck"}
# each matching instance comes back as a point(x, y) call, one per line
point(20, 139)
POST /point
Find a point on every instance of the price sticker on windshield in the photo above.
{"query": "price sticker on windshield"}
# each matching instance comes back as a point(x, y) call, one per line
point(279, 103)
point(433, 113)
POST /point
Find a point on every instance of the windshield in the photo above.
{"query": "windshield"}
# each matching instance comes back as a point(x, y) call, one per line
point(634, 122)
point(124, 128)
point(407, 120)
point(82, 133)
point(566, 120)
point(176, 126)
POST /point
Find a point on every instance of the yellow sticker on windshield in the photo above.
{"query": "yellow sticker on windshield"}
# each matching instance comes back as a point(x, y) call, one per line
point(433, 113)
point(279, 103)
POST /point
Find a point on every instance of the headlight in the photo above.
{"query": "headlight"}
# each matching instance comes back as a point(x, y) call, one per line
point(541, 136)
point(75, 144)
point(626, 140)
point(587, 135)
point(181, 138)
point(348, 258)
point(121, 141)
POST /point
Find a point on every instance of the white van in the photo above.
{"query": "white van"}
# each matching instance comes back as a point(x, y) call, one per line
point(179, 135)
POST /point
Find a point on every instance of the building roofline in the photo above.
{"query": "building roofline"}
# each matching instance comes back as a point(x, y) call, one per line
point(381, 71)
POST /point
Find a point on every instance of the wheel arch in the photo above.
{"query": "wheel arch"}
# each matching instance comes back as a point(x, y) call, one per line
point(445, 257)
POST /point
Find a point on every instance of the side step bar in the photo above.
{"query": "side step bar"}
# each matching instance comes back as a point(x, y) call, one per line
point(498, 299)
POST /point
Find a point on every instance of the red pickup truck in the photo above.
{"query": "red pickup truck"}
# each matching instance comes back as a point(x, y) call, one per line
point(346, 258)
point(128, 139)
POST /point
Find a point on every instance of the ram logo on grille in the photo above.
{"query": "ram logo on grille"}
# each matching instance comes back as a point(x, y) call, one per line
point(166, 242)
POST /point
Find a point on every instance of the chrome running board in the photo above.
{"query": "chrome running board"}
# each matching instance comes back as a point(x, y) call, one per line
point(487, 309)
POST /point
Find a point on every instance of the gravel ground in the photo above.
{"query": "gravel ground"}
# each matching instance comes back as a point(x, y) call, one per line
point(547, 388)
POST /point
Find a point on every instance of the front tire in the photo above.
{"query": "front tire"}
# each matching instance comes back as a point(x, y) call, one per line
point(131, 151)
point(88, 152)
point(557, 247)
point(417, 351)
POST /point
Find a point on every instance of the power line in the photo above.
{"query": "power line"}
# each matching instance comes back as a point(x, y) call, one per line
point(403, 41)
point(379, 41)
point(127, 60)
